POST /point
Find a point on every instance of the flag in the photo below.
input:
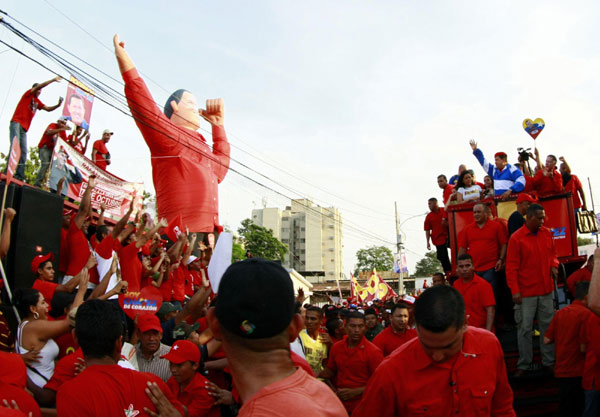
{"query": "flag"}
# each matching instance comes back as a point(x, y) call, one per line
point(175, 228)
point(13, 159)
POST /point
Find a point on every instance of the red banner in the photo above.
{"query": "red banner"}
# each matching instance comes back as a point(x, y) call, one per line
point(13, 159)
point(148, 300)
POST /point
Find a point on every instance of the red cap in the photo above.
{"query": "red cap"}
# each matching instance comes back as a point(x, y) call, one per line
point(147, 322)
point(525, 197)
point(182, 351)
point(40, 259)
point(501, 154)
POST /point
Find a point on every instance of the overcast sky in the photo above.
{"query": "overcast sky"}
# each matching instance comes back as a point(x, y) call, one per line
point(354, 104)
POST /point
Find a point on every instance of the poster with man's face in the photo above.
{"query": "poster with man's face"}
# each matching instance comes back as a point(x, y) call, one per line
point(78, 103)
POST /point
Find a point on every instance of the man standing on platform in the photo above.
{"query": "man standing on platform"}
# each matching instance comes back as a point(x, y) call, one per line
point(436, 230)
point(100, 154)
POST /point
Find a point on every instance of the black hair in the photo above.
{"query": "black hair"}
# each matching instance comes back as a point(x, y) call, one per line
point(41, 266)
point(553, 158)
point(433, 199)
point(442, 176)
point(439, 308)
point(581, 289)
point(176, 96)
point(355, 315)
point(461, 178)
point(533, 208)
point(397, 306)
point(101, 230)
point(370, 311)
point(34, 85)
point(24, 299)
point(72, 96)
point(316, 309)
point(331, 325)
point(98, 326)
point(439, 274)
point(464, 257)
point(60, 301)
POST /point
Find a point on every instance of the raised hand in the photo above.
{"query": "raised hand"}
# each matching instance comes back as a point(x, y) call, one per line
point(473, 144)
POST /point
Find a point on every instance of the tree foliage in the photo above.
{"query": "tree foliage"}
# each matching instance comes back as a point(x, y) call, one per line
point(428, 265)
point(260, 242)
point(582, 241)
point(32, 166)
point(374, 257)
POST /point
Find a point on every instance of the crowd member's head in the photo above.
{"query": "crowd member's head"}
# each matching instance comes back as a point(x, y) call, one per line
point(465, 180)
point(535, 217)
point(433, 204)
point(335, 328)
point(461, 168)
point(355, 327)
point(102, 231)
point(524, 200)
point(438, 279)
point(370, 318)
point(440, 320)
point(76, 109)
point(99, 330)
point(564, 169)
point(106, 134)
point(551, 162)
point(464, 266)
point(31, 304)
point(581, 290)
point(149, 332)
point(255, 308)
point(312, 319)
point(442, 181)
point(399, 317)
point(184, 331)
point(184, 358)
point(41, 266)
point(488, 182)
point(61, 304)
point(182, 109)
point(167, 311)
point(480, 213)
point(501, 160)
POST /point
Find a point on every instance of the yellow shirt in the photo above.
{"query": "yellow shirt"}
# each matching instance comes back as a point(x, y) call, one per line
point(314, 350)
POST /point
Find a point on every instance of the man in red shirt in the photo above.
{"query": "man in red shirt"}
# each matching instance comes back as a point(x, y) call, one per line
point(255, 319)
point(547, 180)
point(480, 303)
point(185, 171)
point(100, 154)
point(572, 183)
point(485, 241)
point(565, 332)
point(104, 388)
point(46, 146)
point(583, 274)
point(447, 189)
point(397, 333)
point(21, 120)
point(351, 362)
point(41, 266)
point(451, 369)
point(590, 339)
point(436, 230)
point(531, 266)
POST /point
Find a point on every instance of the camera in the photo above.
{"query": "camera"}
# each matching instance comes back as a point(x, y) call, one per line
point(524, 154)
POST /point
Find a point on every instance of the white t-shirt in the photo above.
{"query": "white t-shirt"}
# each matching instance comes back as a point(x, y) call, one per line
point(470, 193)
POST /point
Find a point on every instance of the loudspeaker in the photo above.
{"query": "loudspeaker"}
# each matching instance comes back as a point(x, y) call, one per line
point(35, 230)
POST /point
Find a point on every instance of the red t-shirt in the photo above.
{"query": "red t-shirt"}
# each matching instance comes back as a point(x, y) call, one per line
point(433, 223)
point(63, 262)
point(109, 390)
point(573, 185)
point(299, 392)
point(28, 105)
point(13, 370)
point(47, 289)
point(483, 243)
point(66, 344)
point(50, 140)
point(447, 192)
point(478, 294)
point(195, 397)
point(565, 331)
point(388, 340)
point(79, 253)
point(590, 336)
point(131, 267)
point(101, 152)
point(547, 185)
point(353, 366)
point(71, 139)
point(179, 277)
point(166, 288)
point(581, 275)
point(64, 370)
point(410, 383)
point(24, 401)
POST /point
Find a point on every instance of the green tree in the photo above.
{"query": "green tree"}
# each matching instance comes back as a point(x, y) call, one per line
point(32, 166)
point(260, 241)
point(428, 265)
point(582, 241)
point(374, 257)
point(238, 252)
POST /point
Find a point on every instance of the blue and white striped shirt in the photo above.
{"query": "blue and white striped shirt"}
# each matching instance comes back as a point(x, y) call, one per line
point(510, 178)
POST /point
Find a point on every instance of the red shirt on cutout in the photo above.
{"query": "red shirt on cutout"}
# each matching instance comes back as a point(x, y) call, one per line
point(26, 108)
point(353, 366)
point(478, 294)
point(434, 223)
point(483, 243)
point(389, 340)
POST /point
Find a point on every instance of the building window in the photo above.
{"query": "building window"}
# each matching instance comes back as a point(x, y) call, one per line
point(302, 229)
point(302, 240)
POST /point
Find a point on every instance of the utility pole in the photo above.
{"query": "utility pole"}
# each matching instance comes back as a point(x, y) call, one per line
point(399, 251)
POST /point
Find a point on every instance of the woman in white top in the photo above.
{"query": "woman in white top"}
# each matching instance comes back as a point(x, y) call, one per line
point(467, 190)
point(35, 333)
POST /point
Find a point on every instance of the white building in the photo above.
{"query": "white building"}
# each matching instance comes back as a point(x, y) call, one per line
point(313, 235)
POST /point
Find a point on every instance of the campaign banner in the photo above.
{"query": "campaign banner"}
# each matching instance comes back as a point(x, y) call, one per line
point(114, 192)
point(148, 300)
point(13, 159)
point(78, 104)
point(400, 264)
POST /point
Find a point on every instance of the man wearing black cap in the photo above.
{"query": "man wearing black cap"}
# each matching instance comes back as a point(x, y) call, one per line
point(254, 317)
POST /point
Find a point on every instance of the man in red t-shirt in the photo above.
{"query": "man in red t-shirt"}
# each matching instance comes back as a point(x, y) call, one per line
point(100, 154)
point(436, 230)
point(480, 303)
point(486, 241)
point(104, 388)
point(351, 362)
point(581, 275)
point(547, 180)
point(21, 120)
point(448, 190)
point(46, 146)
point(451, 369)
point(572, 183)
point(565, 332)
point(397, 333)
point(41, 266)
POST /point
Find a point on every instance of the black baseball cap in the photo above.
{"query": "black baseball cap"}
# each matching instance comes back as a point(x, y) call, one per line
point(255, 299)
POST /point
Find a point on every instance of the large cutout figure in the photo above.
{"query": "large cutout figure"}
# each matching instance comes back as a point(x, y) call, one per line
point(185, 171)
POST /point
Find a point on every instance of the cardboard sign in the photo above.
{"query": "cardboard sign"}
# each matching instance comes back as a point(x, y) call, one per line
point(13, 159)
point(534, 127)
point(79, 102)
point(148, 300)
point(220, 260)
